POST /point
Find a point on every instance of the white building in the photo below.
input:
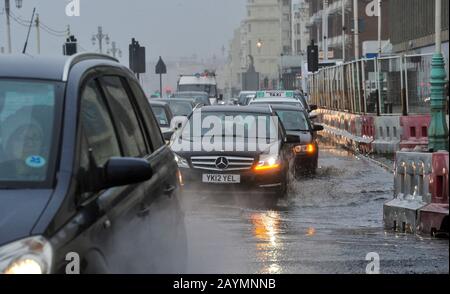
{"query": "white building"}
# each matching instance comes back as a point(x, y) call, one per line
point(300, 35)
point(265, 35)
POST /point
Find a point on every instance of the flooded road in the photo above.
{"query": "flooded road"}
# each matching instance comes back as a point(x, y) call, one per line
point(328, 224)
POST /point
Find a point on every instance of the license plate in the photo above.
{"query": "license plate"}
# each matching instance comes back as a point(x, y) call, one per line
point(221, 179)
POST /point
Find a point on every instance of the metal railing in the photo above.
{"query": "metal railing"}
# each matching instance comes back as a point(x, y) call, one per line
point(394, 85)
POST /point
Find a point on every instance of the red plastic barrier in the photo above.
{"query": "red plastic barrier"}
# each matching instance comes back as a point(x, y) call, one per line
point(439, 178)
point(415, 131)
point(433, 216)
point(353, 129)
point(367, 131)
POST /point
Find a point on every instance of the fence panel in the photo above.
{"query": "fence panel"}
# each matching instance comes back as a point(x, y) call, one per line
point(417, 76)
point(390, 84)
point(370, 85)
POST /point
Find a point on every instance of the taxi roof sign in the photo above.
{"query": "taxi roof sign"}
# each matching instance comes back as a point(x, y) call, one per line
point(275, 94)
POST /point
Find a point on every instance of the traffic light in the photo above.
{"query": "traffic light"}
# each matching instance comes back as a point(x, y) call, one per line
point(313, 57)
point(70, 47)
point(137, 57)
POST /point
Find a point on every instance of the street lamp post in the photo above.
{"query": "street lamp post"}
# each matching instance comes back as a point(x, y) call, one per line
point(99, 37)
point(8, 22)
point(438, 131)
point(114, 50)
point(356, 28)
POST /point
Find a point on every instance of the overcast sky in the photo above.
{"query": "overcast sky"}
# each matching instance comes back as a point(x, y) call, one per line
point(171, 28)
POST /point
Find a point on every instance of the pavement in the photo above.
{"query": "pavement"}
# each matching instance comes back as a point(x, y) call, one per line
point(328, 224)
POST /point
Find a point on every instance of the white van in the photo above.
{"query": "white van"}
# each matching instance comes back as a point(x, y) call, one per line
point(205, 82)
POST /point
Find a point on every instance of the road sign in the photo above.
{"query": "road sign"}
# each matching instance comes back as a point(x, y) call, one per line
point(160, 68)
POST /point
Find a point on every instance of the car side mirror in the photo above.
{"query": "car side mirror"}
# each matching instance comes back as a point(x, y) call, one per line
point(292, 139)
point(168, 135)
point(313, 107)
point(318, 128)
point(118, 171)
point(313, 116)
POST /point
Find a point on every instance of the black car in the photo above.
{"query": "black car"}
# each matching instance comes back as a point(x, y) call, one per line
point(179, 106)
point(296, 122)
point(236, 165)
point(164, 117)
point(84, 171)
point(300, 96)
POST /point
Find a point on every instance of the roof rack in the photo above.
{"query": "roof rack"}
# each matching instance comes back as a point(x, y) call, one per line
point(74, 59)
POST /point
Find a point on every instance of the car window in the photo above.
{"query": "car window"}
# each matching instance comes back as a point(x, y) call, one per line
point(125, 117)
point(180, 108)
point(161, 115)
point(27, 122)
point(97, 123)
point(293, 120)
point(152, 128)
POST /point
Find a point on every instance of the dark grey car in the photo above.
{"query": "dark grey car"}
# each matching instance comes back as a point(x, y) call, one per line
point(84, 171)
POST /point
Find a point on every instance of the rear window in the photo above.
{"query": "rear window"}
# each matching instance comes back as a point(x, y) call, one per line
point(27, 132)
point(161, 116)
point(180, 108)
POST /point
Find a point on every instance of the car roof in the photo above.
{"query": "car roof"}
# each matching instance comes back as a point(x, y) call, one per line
point(158, 103)
point(187, 100)
point(266, 109)
point(33, 67)
point(44, 67)
point(275, 100)
point(287, 107)
point(191, 92)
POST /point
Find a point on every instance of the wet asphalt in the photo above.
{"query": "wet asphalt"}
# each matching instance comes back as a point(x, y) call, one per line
point(328, 224)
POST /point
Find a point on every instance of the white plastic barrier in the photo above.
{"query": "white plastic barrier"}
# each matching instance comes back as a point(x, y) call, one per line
point(387, 134)
point(413, 171)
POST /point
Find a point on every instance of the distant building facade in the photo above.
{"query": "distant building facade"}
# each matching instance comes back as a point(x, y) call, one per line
point(368, 25)
point(413, 27)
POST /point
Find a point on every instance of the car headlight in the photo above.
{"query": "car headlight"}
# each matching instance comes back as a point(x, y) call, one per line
point(28, 256)
point(268, 162)
point(181, 161)
point(302, 149)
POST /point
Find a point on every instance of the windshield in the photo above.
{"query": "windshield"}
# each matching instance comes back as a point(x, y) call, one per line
point(233, 124)
point(195, 97)
point(293, 120)
point(27, 124)
point(245, 98)
point(161, 116)
point(180, 108)
point(211, 90)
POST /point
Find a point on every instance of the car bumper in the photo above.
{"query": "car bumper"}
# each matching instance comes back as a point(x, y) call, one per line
point(269, 182)
point(302, 161)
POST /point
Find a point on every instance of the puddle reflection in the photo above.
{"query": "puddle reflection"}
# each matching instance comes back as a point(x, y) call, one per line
point(266, 229)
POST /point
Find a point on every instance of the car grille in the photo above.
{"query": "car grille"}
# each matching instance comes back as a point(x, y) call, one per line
point(234, 163)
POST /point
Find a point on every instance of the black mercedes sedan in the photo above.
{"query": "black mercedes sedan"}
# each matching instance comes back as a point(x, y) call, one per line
point(236, 150)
